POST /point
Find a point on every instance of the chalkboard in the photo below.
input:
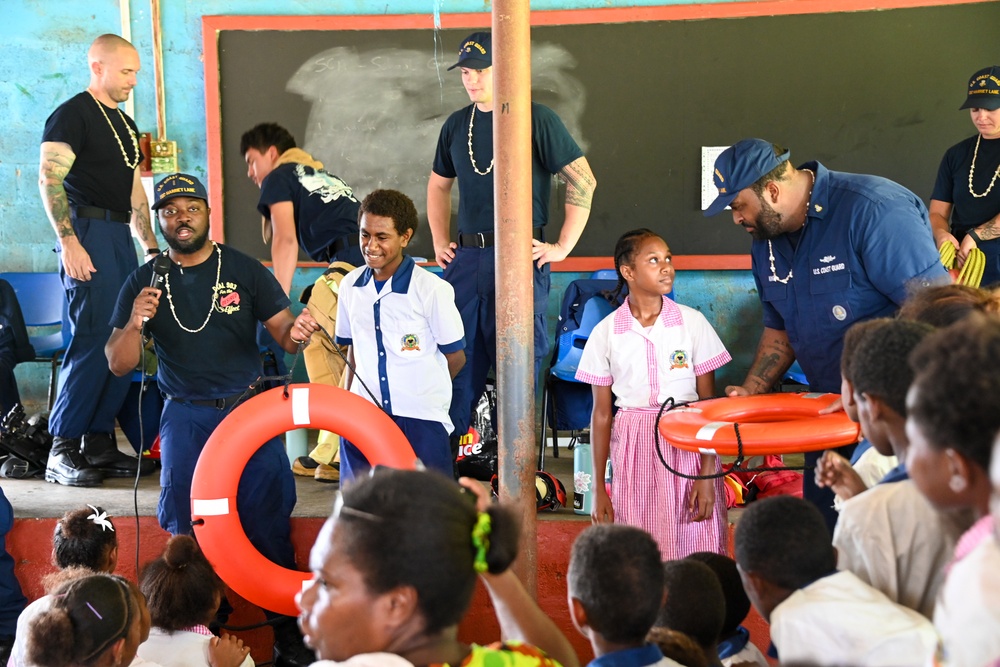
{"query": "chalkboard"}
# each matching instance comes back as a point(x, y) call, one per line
point(871, 92)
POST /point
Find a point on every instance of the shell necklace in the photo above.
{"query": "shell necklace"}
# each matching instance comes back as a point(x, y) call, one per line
point(215, 289)
point(770, 248)
point(972, 169)
point(131, 134)
point(472, 157)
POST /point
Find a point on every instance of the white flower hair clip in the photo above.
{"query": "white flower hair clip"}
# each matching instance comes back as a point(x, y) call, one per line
point(101, 519)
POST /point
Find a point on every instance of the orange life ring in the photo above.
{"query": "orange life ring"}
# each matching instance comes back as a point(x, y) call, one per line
point(769, 424)
point(234, 441)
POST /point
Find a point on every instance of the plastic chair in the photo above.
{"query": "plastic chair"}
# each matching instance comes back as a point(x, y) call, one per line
point(43, 304)
point(794, 376)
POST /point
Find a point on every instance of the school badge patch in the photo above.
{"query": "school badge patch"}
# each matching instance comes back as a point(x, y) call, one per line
point(410, 343)
point(679, 359)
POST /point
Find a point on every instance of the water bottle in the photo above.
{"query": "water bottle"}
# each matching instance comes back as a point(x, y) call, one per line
point(583, 477)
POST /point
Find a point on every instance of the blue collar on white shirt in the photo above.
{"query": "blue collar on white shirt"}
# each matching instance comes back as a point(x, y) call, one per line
point(631, 657)
point(400, 279)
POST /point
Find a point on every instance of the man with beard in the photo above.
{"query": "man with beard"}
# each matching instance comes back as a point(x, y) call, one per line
point(205, 340)
point(830, 249)
point(91, 191)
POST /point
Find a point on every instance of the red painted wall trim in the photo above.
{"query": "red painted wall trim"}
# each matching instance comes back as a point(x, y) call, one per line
point(211, 25)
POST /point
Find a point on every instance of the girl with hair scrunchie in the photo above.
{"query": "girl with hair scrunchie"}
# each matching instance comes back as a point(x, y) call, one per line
point(394, 570)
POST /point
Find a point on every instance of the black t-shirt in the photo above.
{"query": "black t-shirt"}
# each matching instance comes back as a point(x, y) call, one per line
point(552, 148)
point(223, 358)
point(324, 206)
point(952, 185)
point(99, 176)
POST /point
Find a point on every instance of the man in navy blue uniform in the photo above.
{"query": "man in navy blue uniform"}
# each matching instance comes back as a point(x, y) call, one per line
point(465, 152)
point(205, 338)
point(90, 187)
point(829, 249)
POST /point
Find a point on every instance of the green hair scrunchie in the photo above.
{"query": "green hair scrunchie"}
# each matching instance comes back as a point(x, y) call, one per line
point(481, 541)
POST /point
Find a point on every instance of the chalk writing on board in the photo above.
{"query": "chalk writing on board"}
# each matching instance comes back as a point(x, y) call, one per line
point(376, 115)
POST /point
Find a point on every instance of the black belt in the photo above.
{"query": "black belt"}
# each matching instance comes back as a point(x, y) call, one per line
point(340, 244)
point(218, 403)
point(101, 214)
point(485, 239)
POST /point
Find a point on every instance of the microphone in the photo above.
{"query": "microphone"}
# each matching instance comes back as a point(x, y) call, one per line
point(161, 267)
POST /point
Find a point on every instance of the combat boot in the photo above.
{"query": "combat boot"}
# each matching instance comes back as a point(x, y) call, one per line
point(67, 466)
point(101, 452)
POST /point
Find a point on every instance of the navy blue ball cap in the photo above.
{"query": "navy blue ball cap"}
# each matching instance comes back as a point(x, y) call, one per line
point(178, 185)
point(740, 166)
point(984, 89)
point(476, 51)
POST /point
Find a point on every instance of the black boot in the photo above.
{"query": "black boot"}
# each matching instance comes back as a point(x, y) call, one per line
point(102, 453)
point(289, 650)
point(68, 467)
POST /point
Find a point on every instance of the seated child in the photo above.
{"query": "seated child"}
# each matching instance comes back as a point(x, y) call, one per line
point(952, 421)
point(818, 615)
point(890, 536)
point(183, 593)
point(84, 542)
point(615, 589)
point(735, 647)
point(394, 570)
point(694, 605)
point(406, 337)
point(93, 620)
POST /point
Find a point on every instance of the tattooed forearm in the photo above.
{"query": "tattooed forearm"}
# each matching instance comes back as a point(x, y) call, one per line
point(56, 161)
point(580, 183)
point(774, 356)
point(141, 227)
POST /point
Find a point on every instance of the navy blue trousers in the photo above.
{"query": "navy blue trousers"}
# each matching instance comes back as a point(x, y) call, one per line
point(90, 394)
point(264, 499)
point(429, 440)
point(12, 600)
point(473, 275)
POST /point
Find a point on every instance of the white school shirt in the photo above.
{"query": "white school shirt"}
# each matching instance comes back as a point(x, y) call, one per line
point(183, 648)
point(644, 367)
point(400, 336)
point(893, 539)
point(967, 614)
point(841, 620)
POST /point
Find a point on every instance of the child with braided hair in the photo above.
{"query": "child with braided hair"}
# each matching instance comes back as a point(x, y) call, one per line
point(394, 569)
point(648, 350)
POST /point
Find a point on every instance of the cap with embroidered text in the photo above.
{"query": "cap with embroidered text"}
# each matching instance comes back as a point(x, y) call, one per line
point(178, 185)
point(740, 166)
point(984, 89)
point(476, 52)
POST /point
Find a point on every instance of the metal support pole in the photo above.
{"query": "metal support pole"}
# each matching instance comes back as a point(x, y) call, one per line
point(514, 278)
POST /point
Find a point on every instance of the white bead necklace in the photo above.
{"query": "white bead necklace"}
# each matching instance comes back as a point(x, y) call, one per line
point(770, 248)
point(472, 157)
point(972, 170)
point(215, 289)
point(135, 144)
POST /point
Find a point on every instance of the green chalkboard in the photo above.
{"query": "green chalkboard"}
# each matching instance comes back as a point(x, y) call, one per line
point(873, 92)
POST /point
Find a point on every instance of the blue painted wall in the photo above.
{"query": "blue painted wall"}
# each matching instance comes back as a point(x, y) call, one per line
point(43, 46)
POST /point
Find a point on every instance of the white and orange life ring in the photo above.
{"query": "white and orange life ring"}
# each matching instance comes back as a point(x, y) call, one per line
point(234, 441)
point(769, 424)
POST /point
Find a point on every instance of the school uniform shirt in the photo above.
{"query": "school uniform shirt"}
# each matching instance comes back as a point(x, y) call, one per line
point(864, 241)
point(894, 540)
point(400, 335)
point(968, 610)
point(642, 656)
point(183, 648)
point(841, 620)
point(644, 367)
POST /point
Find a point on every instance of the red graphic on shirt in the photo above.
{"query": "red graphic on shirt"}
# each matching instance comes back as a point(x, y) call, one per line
point(231, 299)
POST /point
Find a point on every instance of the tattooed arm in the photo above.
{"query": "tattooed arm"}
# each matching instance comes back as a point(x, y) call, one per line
point(774, 357)
point(56, 160)
point(580, 186)
point(141, 228)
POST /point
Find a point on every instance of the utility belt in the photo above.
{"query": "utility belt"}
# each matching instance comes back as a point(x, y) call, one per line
point(96, 213)
point(218, 403)
point(486, 239)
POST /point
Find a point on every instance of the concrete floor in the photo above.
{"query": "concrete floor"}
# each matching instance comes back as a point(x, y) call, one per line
point(38, 499)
